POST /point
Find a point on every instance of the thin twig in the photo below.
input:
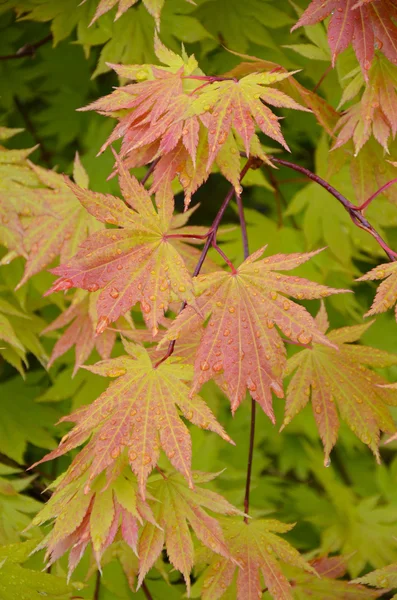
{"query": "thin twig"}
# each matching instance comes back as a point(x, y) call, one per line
point(28, 49)
point(243, 225)
point(277, 195)
point(244, 235)
point(382, 189)
point(323, 76)
point(225, 258)
point(208, 243)
point(97, 586)
point(250, 460)
point(354, 211)
point(146, 591)
point(149, 171)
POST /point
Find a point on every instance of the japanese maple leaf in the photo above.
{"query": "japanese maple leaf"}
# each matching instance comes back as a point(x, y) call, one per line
point(240, 346)
point(376, 112)
point(138, 413)
point(383, 578)
point(255, 546)
point(366, 25)
point(81, 320)
point(176, 508)
point(153, 7)
point(328, 586)
point(183, 124)
point(137, 262)
point(386, 294)
point(16, 198)
point(340, 383)
point(240, 106)
point(93, 516)
point(61, 232)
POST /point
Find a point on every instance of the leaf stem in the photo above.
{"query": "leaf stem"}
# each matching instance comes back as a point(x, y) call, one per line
point(244, 236)
point(145, 590)
point(97, 586)
point(382, 189)
point(323, 76)
point(354, 211)
point(149, 171)
point(225, 258)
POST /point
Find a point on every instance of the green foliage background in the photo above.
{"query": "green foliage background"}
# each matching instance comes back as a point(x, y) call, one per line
point(349, 508)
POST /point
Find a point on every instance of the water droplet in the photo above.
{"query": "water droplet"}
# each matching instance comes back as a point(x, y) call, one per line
point(114, 293)
point(232, 309)
point(116, 372)
point(115, 452)
point(304, 338)
point(204, 366)
point(103, 322)
point(93, 287)
point(327, 462)
point(132, 455)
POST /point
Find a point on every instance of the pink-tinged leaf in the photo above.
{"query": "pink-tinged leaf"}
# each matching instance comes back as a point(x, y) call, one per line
point(340, 384)
point(361, 23)
point(81, 333)
point(240, 347)
point(136, 262)
point(256, 550)
point(138, 413)
point(178, 509)
point(59, 233)
point(86, 516)
point(386, 295)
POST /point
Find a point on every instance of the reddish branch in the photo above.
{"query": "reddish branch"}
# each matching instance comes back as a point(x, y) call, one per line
point(355, 212)
point(146, 591)
point(28, 49)
point(244, 235)
point(149, 171)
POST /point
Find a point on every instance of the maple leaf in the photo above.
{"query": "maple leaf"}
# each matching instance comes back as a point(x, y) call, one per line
point(324, 113)
point(239, 346)
point(137, 262)
point(16, 509)
point(376, 112)
point(386, 294)
point(93, 514)
point(16, 181)
point(176, 508)
point(328, 586)
point(138, 413)
point(255, 546)
point(153, 7)
point(80, 316)
point(339, 381)
point(63, 230)
point(7, 333)
point(17, 581)
point(185, 125)
point(381, 578)
point(362, 24)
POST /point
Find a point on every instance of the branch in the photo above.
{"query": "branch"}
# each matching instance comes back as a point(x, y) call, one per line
point(149, 171)
point(28, 49)
point(355, 212)
point(244, 236)
point(211, 238)
point(145, 590)
point(97, 586)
